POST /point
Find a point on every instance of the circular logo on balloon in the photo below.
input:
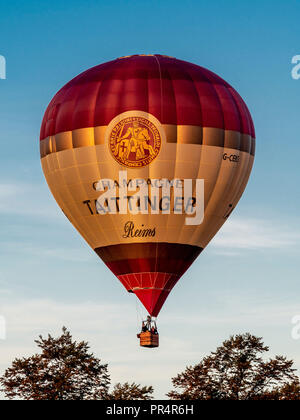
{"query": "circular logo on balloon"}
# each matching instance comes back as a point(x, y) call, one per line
point(134, 141)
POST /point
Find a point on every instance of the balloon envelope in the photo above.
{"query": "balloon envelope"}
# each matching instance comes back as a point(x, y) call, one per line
point(147, 118)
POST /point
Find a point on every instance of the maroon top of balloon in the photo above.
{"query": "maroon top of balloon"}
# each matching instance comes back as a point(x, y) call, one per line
point(174, 91)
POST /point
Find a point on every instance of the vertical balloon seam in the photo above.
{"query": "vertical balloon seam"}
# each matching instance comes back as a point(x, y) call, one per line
point(223, 135)
point(229, 186)
point(166, 70)
point(220, 161)
point(161, 116)
point(245, 174)
point(199, 109)
point(149, 172)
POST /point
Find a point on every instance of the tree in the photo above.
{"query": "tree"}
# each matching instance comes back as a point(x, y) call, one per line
point(290, 391)
point(237, 371)
point(64, 370)
point(132, 391)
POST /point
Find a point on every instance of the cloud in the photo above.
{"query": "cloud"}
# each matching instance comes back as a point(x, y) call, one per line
point(254, 234)
point(251, 310)
point(27, 200)
point(44, 251)
point(30, 212)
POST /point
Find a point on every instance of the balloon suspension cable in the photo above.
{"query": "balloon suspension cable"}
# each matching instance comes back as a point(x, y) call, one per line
point(139, 316)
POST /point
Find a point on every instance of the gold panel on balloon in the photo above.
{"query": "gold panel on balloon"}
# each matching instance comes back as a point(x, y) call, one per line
point(72, 174)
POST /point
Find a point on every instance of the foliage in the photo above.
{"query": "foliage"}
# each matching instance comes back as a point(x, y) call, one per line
point(132, 391)
point(237, 371)
point(64, 370)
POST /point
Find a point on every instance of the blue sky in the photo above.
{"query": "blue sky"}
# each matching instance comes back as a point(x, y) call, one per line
point(248, 277)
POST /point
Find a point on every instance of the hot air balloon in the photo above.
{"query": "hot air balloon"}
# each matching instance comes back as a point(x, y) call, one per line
point(147, 123)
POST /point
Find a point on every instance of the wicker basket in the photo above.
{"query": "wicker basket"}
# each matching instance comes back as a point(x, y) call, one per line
point(148, 339)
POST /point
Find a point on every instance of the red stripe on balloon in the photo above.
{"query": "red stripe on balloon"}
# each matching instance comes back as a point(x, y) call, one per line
point(142, 265)
point(174, 91)
point(152, 289)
